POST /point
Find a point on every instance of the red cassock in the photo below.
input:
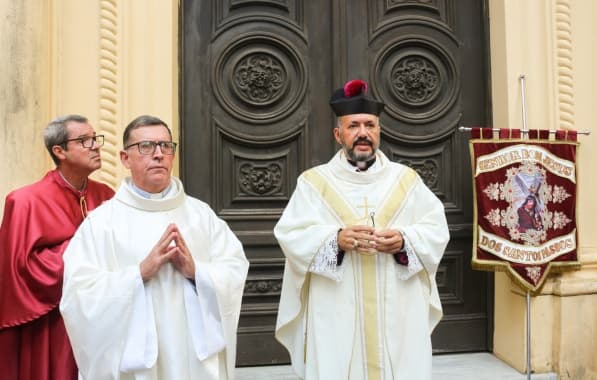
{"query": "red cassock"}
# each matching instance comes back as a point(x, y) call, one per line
point(39, 221)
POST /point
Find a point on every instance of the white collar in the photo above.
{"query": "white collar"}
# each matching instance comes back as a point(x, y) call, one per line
point(148, 195)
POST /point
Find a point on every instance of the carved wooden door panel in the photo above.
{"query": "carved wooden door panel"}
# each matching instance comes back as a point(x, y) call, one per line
point(256, 87)
point(256, 78)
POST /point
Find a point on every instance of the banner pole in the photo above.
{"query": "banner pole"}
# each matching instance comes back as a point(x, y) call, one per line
point(522, 100)
point(528, 335)
point(525, 136)
point(524, 129)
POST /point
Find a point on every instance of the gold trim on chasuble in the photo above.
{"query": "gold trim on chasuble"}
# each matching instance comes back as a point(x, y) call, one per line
point(373, 324)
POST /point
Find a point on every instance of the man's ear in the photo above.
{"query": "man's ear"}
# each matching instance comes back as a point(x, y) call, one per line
point(337, 135)
point(59, 152)
point(124, 158)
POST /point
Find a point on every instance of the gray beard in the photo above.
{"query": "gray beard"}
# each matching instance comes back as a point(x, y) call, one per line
point(360, 157)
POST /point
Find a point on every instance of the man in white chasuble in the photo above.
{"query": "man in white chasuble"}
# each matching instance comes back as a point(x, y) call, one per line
point(363, 238)
point(153, 279)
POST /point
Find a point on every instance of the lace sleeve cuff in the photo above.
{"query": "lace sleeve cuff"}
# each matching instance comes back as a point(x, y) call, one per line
point(325, 263)
point(414, 264)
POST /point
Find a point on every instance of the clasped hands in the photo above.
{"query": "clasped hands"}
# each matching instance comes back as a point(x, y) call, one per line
point(170, 248)
point(367, 239)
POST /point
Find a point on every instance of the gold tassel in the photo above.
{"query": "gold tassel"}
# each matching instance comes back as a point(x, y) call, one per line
point(83, 204)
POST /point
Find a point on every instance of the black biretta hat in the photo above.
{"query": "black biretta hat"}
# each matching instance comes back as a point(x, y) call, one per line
point(352, 98)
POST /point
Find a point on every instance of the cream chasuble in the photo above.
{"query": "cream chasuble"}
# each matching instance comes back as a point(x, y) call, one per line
point(167, 327)
point(374, 322)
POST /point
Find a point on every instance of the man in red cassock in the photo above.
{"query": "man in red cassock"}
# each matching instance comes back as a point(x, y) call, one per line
point(39, 221)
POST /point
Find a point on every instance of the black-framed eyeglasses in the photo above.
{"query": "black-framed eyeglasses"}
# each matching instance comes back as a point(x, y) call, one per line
point(148, 147)
point(88, 141)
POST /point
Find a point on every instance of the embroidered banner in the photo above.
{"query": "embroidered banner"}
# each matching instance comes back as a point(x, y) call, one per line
point(525, 204)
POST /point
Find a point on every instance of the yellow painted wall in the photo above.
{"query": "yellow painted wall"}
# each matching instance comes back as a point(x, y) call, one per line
point(24, 92)
point(117, 60)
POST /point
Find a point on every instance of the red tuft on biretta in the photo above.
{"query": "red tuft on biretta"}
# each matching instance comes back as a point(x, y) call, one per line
point(353, 99)
point(355, 87)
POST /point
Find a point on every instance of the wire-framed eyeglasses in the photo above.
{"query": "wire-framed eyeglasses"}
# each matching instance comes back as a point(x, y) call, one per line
point(148, 147)
point(88, 141)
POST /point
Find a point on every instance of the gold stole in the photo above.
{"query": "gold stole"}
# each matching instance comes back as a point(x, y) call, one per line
point(390, 205)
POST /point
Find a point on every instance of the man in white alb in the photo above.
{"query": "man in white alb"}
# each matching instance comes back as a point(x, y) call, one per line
point(153, 279)
point(363, 238)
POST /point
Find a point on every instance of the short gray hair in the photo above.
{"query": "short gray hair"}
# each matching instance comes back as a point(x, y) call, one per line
point(56, 133)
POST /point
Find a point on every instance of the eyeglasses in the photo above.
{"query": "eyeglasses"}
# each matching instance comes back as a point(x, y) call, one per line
point(148, 147)
point(88, 141)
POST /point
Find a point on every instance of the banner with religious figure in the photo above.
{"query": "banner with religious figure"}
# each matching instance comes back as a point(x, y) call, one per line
point(525, 203)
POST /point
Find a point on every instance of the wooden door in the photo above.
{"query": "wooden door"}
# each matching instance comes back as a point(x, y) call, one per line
point(256, 78)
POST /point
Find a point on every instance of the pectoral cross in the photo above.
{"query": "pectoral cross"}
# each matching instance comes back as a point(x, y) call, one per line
point(368, 214)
